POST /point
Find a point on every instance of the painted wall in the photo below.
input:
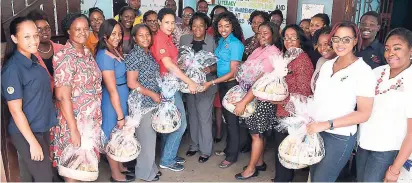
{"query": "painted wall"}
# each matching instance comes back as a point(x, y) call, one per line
point(328, 4)
point(105, 5)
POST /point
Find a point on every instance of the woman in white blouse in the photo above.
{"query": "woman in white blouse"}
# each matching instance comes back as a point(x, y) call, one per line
point(385, 141)
point(344, 83)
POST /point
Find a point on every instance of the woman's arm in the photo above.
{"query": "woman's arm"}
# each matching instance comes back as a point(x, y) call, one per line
point(171, 67)
point(132, 83)
point(233, 70)
point(16, 110)
point(241, 105)
point(109, 80)
point(393, 172)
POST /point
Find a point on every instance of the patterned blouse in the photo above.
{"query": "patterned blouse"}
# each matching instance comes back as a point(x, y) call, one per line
point(179, 32)
point(149, 71)
point(250, 45)
point(298, 80)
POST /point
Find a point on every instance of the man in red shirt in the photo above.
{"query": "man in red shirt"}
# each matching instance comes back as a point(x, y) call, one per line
point(165, 53)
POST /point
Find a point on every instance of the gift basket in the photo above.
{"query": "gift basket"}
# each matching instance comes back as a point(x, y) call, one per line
point(166, 118)
point(299, 149)
point(81, 163)
point(247, 74)
point(123, 146)
point(193, 64)
point(406, 171)
point(272, 86)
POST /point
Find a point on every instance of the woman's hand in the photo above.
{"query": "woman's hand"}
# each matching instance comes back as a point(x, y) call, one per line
point(193, 88)
point(155, 97)
point(207, 85)
point(207, 70)
point(75, 137)
point(313, 128)
point(391, 176)
point(121, 123)
point(240, 108)
point(36, 152)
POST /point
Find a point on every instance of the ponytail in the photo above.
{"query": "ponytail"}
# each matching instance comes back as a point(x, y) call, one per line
point(11, 46)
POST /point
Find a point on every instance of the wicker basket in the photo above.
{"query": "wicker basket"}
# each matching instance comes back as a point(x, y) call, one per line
point(235, 94)
point(121, 157)
point(77, 174)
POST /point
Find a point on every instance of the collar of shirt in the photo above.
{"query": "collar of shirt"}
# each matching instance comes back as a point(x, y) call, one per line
point(24, 60)
point(72, 50)
point(375, 45)
point(228, 39)
point(163, 36)
point(138, 13)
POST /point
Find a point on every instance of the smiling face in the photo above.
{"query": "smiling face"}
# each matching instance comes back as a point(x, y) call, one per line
point(265, 36)
point(199, 28)
point(224, 27)
point(305, 25)
point(316, 23)
point(171, 4)
point(276, 19)
point(79, 31)
point(344, 41)
point(96, 20)
point(369, 27)
point(398, 53)
point(26, 38)
point(152, 22)
point(291, 39)
point(256, 21)
point(135, 4)
point(187, 15)
point(167, 24)
point(203, 7)
point(324, 47)
point(143, 37)
point(44, 30)
point(127, 18)
point(115, 37)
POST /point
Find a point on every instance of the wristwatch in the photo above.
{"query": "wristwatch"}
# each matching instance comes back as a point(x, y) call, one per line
point(331, 125)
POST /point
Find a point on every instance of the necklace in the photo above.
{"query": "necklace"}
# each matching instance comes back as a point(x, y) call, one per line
point(395, 86)
point(46, 51)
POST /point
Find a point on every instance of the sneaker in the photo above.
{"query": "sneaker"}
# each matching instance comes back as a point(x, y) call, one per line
point(174, 167)
point(180, 160)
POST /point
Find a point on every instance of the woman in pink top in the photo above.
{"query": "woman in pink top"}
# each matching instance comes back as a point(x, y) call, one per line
point(260, 121)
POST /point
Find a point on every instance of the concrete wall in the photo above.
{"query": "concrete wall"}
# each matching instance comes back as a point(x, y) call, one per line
point(328, 4)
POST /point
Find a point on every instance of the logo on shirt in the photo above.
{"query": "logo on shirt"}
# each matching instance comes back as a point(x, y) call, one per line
point(162, 51)
point(10, 90)
point(375, 58)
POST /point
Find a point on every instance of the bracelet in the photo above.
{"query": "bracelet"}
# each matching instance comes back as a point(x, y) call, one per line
point(390, 170)
point(120, 119)
point(213, 82)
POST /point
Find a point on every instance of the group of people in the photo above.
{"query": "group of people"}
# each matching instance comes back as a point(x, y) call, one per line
point(362, 88)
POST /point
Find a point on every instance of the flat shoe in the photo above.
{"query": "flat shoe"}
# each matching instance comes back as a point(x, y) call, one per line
point(159, 173)
point(156, 178)
point(203, 159)
point(239, 176)
point(260, 168)
point(128, 179)
point(128, 172)
point(190, 153)
point(224, 165)
point(217, 140)
point(220, 153)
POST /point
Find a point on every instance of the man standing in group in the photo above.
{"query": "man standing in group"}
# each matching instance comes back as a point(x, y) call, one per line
point(135, 4)
point(202, 7)
point(172, 5)
point(372, 50)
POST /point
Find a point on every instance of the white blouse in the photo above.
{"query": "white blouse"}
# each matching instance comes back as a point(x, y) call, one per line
point(336, 94)
point(387, 126)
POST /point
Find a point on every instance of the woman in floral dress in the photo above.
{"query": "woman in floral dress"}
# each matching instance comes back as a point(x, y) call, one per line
point(78, 88)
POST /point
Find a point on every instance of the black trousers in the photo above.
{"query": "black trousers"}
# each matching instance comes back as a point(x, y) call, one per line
point(232, 121)
point(41, 171)
point(282, 174)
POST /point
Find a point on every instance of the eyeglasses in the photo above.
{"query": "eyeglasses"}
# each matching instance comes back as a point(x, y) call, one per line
point(344, 40)
point(187, 15)
point(96, 20)
point(290, 38)
point(151, 21)
point(42, 29)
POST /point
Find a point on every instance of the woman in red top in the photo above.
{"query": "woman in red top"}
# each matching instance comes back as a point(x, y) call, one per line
point(298, 81)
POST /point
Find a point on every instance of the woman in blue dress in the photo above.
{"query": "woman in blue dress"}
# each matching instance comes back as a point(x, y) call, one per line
point(115, 91)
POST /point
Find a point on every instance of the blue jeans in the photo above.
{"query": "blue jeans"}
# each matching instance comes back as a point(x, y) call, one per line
point(171, 141)
point(371, 166)
point(338, 149)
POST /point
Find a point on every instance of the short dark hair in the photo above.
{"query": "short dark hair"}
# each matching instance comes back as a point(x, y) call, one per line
point(136, 28)
point(165, 11)
point(304, 20)
point(188, 7)
point(305, 43)
point(353, 27)
point(256, 13)
point(318, 33)
point(231, 18)
point(212, 14)
point(199, 15)
point(95, 9)
point(403, 33)
point(374, 14)
point(275, 32)
point(13, 28)
point(69, 19)
point(324, 17)
point(276, 12)
point(37, 14)
point(150, 12)
point(105, 31)
point(201, 1)
point(125, 8)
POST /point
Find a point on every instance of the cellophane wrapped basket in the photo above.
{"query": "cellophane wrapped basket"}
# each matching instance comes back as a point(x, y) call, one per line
point(299, 149)
point(272, 86)
point(167, 118)
point(193, 64)
point(247, 74)
point(123, 146)
point(406, 171)
point(81, 163)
